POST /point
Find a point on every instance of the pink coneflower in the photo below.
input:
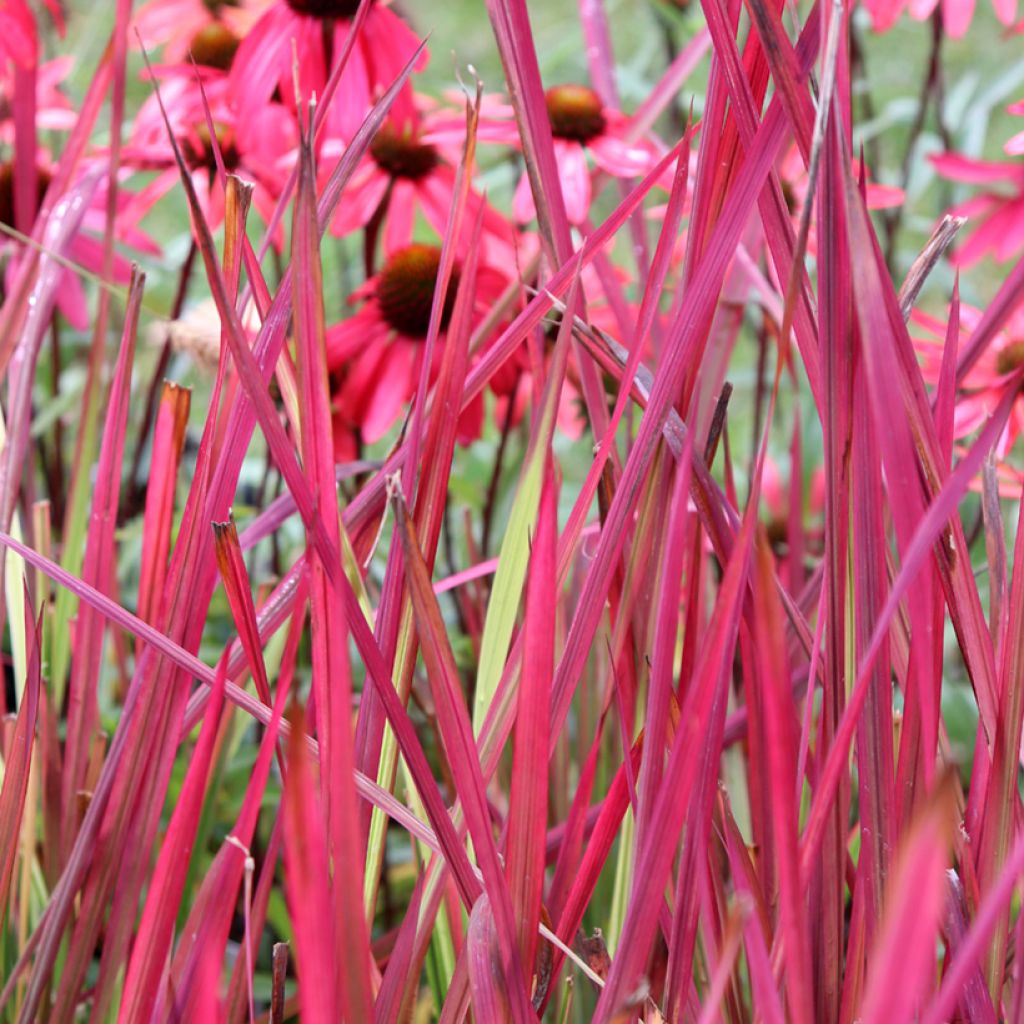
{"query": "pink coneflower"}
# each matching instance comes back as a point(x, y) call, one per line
point(582, 127)
point(985, 384)
point(263, 161)
point(317, 29)
point(375, 356)
point(956, 14)
point(210, 29)
point(997, 214)
point(401, 175)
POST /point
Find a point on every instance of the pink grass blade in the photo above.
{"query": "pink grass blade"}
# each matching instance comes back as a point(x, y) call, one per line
point(929, 530)
point(1008, 299)
point(206, 929)
point(511, 24)
point(764, 991)
point(972, 950)
point(780, 723)
point(683, 350)
point(900, 964)
point(655, 857)
point(15, 304)
point(332, 679)
point(364, 510)
point(486, 979)
point(1000, 820)
point(879, 812)
point(429, 483)
point(100, 554)
point(128, 796)
point(308, 885)
point(975, 1001)
point(156, 928)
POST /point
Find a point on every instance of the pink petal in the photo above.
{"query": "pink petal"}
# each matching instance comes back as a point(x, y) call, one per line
point(393, 388)
point(345, 339)
point(884, 13)
point(1015, 146)
point(263, 57)
point(1012, 236)
point(575, 177)
point(1006, 10)
point(619, 158)
point(71, 301)
point(398, 226)
point(985, 237)
point(956, 17)
point(522, 202)
point(884, 197)
point(975, 172)
point(360, 201)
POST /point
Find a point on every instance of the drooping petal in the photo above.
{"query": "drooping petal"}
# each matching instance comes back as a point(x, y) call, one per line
point(575, 177)
point(956, 17)
point(361, 199)
point(391, 390)
point(973, 172)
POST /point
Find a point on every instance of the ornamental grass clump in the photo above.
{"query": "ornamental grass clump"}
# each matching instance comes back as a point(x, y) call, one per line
point(536, 538)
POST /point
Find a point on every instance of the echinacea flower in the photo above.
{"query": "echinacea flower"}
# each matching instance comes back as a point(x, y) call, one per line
point(956, 14)
point(401, 175)
point(984, 386)
point(582, 127)
point(264, 161)
point(997, 215)
point(375, 356)
point(211, 30)
point(317, 29)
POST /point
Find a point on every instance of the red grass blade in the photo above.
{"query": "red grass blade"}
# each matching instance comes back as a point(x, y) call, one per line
point(332, 680)
point(100, 554)
point(528, 799)
point(156, 928)
point(308, 884)
point(901, 963)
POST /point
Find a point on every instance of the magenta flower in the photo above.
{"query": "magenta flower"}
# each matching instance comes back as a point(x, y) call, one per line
point(956, 14)
point(583, 130)
point(264, 160)
point(211, 30)
point(318, 28)
point(375, 356)
point(403, 175)
point(985, 384)
point(997, 214)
